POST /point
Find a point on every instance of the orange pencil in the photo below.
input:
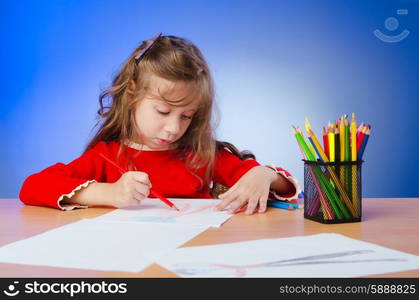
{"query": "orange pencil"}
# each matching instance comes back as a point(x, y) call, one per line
point(153, 193)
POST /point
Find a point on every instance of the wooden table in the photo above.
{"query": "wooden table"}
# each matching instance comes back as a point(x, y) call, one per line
point(388, 222)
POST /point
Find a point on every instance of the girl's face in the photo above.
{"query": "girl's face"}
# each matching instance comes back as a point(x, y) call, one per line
point(159, 123)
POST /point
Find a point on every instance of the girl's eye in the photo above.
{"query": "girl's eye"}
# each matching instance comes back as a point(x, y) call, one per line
point(168, 112)
point(163, 112)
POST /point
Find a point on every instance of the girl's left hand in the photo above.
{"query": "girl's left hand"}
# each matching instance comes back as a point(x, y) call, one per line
point(251, 189)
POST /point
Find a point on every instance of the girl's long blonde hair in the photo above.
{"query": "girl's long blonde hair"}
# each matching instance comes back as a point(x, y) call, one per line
point(177, 60)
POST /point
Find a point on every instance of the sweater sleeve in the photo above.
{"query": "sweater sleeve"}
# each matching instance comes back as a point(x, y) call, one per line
point(53, 184)
point(292, 194)
point(228, 168)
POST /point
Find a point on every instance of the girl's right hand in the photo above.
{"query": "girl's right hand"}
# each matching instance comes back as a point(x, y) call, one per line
point(130, 189)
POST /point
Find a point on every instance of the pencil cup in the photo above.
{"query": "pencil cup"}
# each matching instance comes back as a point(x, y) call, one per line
point(332, 191)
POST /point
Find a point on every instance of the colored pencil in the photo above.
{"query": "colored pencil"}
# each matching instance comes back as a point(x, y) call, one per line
point(327, 186)
point(354, 177)
point(331, 143)
point(347, 181)
point(347, 142)
point(353, 138)
point(361, 138)
point(342, 139)
point(325, 142)
point(342, 148)
point(337, 143)
point(152, 192)
point(364, 144)
point(327, 212)
point(283, 205)
point(300, 139)
point(310, 145)
point(337, 205)
point(315, 149)
point(332, 173)
point(326, 208)
point(299, 146)
point(358, 132)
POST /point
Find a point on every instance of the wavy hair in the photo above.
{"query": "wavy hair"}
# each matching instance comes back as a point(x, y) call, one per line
point(177, 60)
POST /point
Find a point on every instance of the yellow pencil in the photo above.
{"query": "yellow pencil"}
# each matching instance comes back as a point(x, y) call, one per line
point(342, 139)
point(353, 138)
point(307, 124)
point(331, 138)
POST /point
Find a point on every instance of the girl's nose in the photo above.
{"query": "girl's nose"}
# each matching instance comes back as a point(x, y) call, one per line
point(172, 126)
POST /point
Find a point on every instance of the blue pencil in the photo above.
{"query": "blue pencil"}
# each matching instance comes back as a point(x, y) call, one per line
point(314, 146)
point(283, 205)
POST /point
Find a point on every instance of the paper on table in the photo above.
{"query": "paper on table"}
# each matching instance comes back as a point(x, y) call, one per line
point(321, 255)
point(192, 212)
point(88, 244)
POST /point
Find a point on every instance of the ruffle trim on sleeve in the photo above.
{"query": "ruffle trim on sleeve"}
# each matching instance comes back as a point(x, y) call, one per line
point(71, 206)
point(291, 179)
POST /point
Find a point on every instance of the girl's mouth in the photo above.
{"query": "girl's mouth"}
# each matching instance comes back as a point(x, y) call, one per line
point(163, 142)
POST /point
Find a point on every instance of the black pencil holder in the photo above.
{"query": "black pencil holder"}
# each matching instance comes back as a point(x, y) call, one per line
point(333, 191)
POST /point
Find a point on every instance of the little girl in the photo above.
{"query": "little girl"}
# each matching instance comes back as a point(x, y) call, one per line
point(156, 127)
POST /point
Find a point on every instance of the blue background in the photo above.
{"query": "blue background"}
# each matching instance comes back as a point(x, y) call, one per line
point(273, 63)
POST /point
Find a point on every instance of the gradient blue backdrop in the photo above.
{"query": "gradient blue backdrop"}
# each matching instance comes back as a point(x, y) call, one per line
point(273, 62)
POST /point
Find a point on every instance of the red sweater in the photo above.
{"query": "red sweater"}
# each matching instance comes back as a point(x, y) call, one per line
point(166, 171)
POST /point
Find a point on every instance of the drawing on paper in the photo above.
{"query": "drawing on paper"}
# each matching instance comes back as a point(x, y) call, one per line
point(169, 216)
point(200, 269)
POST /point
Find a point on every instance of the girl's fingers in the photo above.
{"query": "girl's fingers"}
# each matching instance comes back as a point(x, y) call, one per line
point(138, 186)
point(138, 196)
point(225, 202)
point(251, 206)
point(143, 189)
point(138, 191)
point(226, 198)
point(262, 204)
point(237, 205)
point(142, 177)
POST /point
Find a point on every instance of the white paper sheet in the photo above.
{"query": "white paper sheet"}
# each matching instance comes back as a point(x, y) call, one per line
point(192, 212)
point(321, 255)
point(88, 244)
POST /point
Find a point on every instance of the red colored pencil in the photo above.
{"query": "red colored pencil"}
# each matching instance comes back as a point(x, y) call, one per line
point(164, 199)
point(152, 192)
point(358, 132)
point(361, 138)
point(325, 143)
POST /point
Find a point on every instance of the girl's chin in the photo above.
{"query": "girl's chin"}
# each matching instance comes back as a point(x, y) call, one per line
point(154, 145)
point(158, 145)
